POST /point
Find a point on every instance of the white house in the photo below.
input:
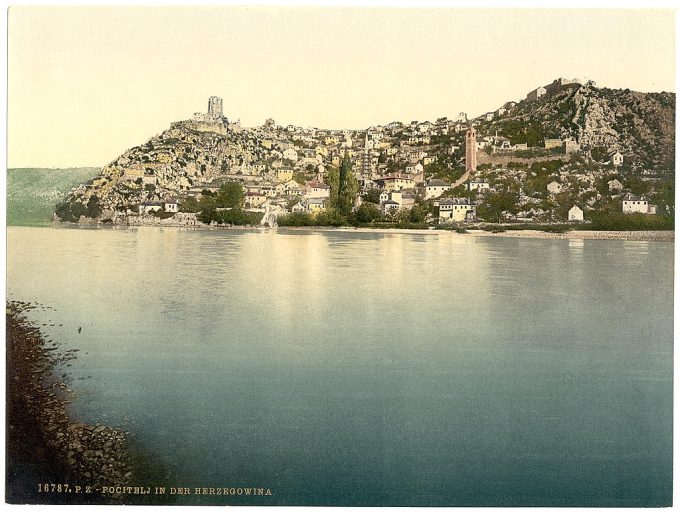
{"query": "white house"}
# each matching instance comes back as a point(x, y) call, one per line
point(633, 204)
point(615, 185)
point(435, 188)
point(317, 190)
point(268, 190)
point(291, 154)
point(616, 158)
point(457, 210)
point(292, 188)
point(416, 169)
point(389, 207)
point(554, 187)
point(478, 184)
point(300, 207)
point(255, 199)
point(171, 206)
point(309, 205)
point(397, 182)
point(315, 204)
point(391, 196)
point(149, 207)
point(575, 214)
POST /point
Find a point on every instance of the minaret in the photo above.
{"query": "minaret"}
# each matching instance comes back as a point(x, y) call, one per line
point(471, 150)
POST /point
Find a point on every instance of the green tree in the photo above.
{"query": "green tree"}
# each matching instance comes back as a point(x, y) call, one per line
point(70, 211)
point(367, 213)
point(599, 153)
point(372, 196)
point(334, 183)
point(300, 178)
point(494, 205)
point(230, 195)
point(347, 187)
point(189, 205)
point(417, 215)
point(330, 217)
point(94, 208)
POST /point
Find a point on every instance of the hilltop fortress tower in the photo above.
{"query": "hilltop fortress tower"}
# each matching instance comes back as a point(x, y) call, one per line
point(214, 115)
point(215, 107)
point(471, 149)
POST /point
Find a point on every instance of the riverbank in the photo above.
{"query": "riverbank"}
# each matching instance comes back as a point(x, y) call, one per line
point(584, 235)
point(577, 235)
point(46, 445)
point(506, 233)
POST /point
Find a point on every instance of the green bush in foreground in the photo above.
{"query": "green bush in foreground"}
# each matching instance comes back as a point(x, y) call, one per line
point(70, 211)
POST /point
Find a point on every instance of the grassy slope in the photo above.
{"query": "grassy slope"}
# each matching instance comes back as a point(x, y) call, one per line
point(32, 193)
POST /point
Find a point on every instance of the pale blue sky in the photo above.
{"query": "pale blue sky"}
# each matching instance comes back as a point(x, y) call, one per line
point(87, 83)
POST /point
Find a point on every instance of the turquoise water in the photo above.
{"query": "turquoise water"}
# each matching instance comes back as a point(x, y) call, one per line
point(344, 368)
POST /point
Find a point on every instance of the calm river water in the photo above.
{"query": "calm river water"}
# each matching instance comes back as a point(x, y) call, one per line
point(342, 368)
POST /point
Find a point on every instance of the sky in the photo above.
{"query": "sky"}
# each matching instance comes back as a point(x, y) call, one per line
point(87, 83)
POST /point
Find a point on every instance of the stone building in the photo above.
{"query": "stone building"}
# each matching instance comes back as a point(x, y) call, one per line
point(215, 107)
point(536, 94)
point(571, 146)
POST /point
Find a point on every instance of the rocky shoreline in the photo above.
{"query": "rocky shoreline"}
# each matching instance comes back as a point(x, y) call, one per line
point(46, 445)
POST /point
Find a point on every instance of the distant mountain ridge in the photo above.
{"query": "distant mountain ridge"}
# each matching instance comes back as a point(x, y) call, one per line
point(32, 193)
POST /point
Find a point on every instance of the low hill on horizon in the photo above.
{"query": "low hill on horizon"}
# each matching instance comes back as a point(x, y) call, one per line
point(32, 193)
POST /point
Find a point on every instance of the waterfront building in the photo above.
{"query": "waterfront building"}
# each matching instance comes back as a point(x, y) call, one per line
point(633, 204)
point(456, 210)
point(171, 206)
point(575, 214)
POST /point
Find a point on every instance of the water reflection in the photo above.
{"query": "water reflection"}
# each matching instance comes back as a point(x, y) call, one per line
point(372, 368)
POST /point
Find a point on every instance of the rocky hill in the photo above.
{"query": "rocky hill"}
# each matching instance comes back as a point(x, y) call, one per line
point(201, 154)
point(187, 156)
point(639, 125)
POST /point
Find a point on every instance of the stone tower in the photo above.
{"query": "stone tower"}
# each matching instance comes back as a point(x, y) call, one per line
point(215, 107)
point(471, 150)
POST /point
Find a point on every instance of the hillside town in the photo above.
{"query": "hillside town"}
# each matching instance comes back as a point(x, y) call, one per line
point(496, 167)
